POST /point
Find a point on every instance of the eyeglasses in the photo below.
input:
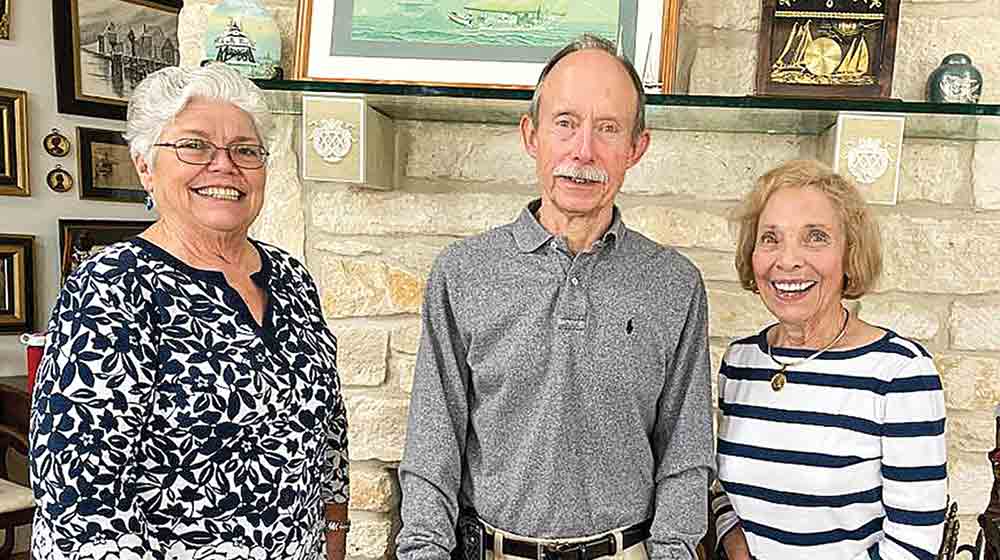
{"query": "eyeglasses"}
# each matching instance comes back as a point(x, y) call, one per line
point(202, 152)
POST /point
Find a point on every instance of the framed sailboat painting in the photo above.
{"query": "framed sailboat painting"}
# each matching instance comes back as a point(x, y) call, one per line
point(827, 48)
point(481, 43)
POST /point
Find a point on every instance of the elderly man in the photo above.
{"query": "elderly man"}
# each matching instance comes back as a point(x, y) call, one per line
point(561, 400)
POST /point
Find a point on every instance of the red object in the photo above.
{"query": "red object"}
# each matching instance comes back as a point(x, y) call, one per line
point(34, 348)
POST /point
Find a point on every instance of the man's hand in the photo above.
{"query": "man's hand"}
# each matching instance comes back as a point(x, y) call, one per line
point(735, 544)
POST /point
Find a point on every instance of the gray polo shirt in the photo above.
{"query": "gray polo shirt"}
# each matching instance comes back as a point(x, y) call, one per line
point(560, 395)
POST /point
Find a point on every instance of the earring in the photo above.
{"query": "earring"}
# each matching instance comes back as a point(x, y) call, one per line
point(150, 203)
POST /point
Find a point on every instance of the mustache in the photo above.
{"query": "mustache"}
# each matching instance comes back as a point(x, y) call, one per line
point(585, 172)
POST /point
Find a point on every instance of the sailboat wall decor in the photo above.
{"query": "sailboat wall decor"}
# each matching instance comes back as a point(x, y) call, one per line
point(827, 48)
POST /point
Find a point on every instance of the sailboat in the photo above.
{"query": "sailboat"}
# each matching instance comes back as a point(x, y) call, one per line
point(798, 41)
point(855, 62)
point(513, 15)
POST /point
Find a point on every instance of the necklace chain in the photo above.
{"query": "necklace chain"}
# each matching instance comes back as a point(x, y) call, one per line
point(778, 379)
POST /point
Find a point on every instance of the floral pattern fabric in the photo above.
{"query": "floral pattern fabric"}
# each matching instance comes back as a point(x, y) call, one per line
point(167, 423)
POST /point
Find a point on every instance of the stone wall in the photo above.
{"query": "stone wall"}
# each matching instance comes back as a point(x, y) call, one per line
point(371, 250)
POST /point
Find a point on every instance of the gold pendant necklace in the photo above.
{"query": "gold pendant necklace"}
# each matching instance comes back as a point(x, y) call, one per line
point(778, 379)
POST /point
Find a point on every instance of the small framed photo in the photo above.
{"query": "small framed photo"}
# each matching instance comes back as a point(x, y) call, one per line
point(5, 19)
point(104, 48)
point(17, 288)
point(14, 142)
point(106, 170)
point(80, 239)
point(480, 43)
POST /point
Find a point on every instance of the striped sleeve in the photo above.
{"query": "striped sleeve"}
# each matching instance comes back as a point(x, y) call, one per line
point(914, 459)
point(722, 509)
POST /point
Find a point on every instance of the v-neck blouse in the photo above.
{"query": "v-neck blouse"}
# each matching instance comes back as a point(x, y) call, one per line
point(168, 423)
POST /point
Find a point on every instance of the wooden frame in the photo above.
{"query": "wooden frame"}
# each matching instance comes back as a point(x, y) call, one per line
point(80, 239)
point(881, 18)
point(320, 26)
point(17, 288)
point(5, 18)
point(14, 143)
point(82, 84)
point(106, 170)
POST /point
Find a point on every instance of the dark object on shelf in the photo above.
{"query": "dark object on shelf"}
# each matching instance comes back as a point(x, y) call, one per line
point(955, 81)
point(18, 504)
point(95, 78)
point(59, 180)
point(17, 285)
point(56, 144)
point(827, 48)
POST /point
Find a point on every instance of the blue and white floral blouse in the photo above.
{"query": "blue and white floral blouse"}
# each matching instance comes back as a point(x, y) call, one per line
point(168, 424)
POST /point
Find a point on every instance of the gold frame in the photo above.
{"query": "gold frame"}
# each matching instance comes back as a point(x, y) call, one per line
point(668, 51)
point(16, 254)
point(5, 18)
point(14, 143)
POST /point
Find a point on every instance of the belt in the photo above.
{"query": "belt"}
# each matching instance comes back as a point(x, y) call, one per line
point(584, 550)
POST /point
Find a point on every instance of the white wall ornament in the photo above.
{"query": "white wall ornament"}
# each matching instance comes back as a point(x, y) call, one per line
point(347, 141)
point(868, 159)
point(332, 139)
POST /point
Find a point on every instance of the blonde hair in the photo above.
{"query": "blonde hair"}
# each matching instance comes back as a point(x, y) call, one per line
point(863, 258)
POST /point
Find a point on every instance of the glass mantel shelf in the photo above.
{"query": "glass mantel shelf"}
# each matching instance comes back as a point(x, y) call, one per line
point(709, 113)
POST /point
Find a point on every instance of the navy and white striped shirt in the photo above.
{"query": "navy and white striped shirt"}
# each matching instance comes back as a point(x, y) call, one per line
point(847, 461)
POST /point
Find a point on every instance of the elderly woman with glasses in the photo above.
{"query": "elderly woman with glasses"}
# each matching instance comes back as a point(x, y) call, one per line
point(188, 405)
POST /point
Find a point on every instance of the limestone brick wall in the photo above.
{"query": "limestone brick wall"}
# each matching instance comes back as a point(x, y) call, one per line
point(371, 250)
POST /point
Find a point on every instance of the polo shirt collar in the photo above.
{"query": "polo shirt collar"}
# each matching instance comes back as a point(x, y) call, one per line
point(530, 235)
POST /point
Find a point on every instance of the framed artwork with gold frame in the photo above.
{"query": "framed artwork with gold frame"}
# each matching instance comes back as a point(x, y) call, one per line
point(5, 19)
point(103, 48)
point(14, 142)
point(416, 42)
point(827, 48)
point(17, 290)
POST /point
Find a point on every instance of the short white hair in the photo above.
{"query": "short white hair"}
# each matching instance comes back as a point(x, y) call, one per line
point(163, 94)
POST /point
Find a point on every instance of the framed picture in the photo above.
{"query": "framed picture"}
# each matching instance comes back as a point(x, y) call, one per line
point(5, 19)
point(14, 142)
point(481, 43)
point(106, 170)
point(104, 48)
point(80, 239)
point(823, 48)
point(17, 288)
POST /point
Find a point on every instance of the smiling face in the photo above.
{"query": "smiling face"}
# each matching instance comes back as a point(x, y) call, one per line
point(215, 198)
point(798, 257)
point(583, 144)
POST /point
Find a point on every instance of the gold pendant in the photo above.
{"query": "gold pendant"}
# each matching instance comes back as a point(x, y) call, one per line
point(778, 380)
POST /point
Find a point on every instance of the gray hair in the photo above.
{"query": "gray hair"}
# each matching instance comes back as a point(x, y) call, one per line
point(163, 94)
point(585, 42)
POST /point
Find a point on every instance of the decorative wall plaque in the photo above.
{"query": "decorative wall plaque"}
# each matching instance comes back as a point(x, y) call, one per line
point(868, 150)
point(827, 48)
point(344, 139)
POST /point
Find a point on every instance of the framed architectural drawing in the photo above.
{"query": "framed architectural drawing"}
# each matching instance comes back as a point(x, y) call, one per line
point(482, 43)
point(827, 48)
point(17, 289)
point(80, 239)
point(106, 170)
point(104, 48)
point(14, 142)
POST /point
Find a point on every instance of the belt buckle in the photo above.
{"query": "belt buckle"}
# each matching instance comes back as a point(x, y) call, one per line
point(558, 551)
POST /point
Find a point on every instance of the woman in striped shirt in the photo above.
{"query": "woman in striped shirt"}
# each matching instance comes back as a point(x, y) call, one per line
point(831, 432)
